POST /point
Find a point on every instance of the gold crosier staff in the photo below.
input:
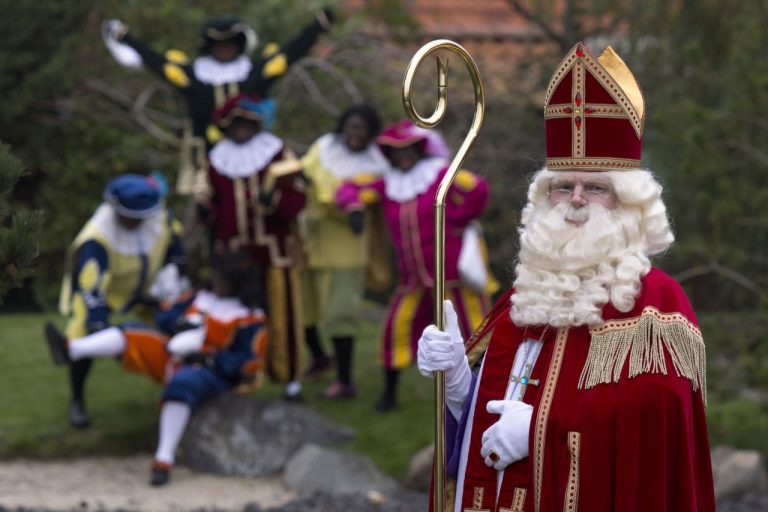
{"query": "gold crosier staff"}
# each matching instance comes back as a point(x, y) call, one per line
point(442, 191)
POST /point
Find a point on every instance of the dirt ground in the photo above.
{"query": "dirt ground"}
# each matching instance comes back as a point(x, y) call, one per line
point(121, 484)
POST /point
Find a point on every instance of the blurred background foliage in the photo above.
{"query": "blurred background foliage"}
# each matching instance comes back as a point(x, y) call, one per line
point(75, 119)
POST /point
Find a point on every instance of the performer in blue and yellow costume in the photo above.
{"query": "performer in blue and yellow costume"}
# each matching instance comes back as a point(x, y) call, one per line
point(112, 263)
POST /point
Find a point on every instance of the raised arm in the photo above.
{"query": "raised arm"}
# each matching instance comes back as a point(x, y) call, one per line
point(275, 60)
point(171, 66)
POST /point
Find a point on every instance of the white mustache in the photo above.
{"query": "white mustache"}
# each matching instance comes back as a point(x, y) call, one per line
point(579, 215)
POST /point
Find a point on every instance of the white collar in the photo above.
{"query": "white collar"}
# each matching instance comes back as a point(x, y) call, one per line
point(214, 72)
point(224, 309)
point(404, 186)
point(242, 160)
point(343, 163)
point(129, 242)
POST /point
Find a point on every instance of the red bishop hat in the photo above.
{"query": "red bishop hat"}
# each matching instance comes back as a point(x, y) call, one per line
point(594, 114)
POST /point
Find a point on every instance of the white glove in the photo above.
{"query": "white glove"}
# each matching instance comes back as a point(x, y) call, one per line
point(444, 351)
point(113, 29)
point(112, 32)
point(169, 284)
point(187, 342)
point(508, 437)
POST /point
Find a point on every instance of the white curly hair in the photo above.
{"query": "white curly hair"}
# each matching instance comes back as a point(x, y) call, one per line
point(565, 273)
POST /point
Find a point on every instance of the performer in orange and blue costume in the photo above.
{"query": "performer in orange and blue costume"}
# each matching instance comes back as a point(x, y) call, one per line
point(584, 389)
point(406, 191)
point(217, 343)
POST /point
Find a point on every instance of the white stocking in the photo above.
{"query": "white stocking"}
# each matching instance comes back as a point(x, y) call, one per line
point(174, 417)
point(105, 343)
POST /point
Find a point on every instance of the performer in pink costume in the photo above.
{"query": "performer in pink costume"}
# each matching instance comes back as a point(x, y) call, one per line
point(418, 161)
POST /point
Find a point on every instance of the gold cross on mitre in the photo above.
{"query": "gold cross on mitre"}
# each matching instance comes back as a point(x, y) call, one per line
point(597, 92)
point(524, 380)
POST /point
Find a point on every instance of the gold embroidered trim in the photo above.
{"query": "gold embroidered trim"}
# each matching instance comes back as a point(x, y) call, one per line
point(579, 139)
point(588, 164)
point(571, 502)
point(595, 110)
point(643, 339)
point(540, 429)
point(603, 76)
point(617, 93)
point(560, 72)
point(477, 501)
point(518, 500)
point(474, 355)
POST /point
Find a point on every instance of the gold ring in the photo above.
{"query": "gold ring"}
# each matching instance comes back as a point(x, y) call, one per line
point(494, 457)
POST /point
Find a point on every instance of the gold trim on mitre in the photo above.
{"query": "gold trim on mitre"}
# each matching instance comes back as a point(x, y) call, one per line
point(612, 73)
point(623, 76)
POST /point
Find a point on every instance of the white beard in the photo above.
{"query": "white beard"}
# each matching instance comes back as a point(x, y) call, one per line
point(567, 273)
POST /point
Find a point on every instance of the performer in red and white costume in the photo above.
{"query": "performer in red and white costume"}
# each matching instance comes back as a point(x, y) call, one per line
point(584, 389)
point(251, 205)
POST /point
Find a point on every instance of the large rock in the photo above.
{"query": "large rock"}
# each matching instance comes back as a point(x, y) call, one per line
point(419, 474)
point(243, 435)
point(738, 472)
point(316, 469)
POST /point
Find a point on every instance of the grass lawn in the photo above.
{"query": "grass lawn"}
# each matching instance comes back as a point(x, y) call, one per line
point(34, 396)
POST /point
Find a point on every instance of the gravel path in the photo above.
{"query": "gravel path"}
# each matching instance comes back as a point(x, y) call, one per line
point(111, 484)
point(121, 484)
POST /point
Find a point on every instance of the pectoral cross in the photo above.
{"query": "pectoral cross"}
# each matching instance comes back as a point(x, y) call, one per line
point(524, 380)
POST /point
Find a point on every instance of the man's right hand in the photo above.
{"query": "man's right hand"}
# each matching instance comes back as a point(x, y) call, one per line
point(444, 351)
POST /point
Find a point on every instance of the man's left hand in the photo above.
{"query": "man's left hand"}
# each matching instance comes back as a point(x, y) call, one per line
point(506, 441)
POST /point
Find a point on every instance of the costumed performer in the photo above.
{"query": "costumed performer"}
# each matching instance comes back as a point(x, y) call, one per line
point(406, 192)
point(218, 344)
point(584, 389)
point(253, 194)
point(115, 259)
point(337, 251)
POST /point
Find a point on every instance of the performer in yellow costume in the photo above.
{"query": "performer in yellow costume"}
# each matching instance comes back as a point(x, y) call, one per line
point(336, 244)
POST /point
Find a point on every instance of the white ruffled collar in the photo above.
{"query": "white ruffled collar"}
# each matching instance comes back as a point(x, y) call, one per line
point(404, 186)
point(130, 242)
point(214, 72)
point(344, 164)
point(242, 160)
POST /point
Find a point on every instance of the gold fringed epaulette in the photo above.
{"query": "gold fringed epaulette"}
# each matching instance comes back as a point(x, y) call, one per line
point(643, 339)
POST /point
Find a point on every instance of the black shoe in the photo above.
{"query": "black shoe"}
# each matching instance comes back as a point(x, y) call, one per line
point(160, 474)
point(78, 416)
point(57, 344)
point(318, 367)
point(385, 404)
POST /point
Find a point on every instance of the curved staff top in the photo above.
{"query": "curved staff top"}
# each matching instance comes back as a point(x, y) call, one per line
point(430, 122)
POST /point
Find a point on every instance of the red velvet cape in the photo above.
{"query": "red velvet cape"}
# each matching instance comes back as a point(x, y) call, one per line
point(609, 432)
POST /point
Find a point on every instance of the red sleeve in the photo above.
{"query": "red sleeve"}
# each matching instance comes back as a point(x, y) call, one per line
point(291, 200)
